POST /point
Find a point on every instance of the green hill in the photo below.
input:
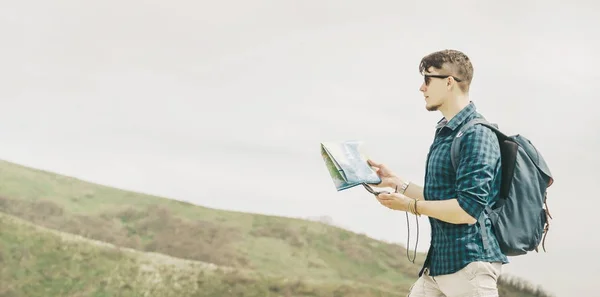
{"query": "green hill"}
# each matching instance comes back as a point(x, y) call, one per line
point(37, 261)
point(174, 247)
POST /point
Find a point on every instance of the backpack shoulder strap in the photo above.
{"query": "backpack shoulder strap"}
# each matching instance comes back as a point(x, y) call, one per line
point(455, 147)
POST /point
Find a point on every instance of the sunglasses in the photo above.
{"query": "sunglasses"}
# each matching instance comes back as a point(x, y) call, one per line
point(428, 77)
point(376, 192)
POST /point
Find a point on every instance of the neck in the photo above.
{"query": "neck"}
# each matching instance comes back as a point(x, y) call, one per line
point(453, 107)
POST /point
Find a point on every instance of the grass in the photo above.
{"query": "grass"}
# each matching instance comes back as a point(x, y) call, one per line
point(36, 261)
point(265, 255)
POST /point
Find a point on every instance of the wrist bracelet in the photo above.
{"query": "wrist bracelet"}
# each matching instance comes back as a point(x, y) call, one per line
point(412, 207)
point(416, 211)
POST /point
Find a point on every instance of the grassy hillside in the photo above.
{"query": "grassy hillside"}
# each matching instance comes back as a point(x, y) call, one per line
point(35, 261)
point(263, 251)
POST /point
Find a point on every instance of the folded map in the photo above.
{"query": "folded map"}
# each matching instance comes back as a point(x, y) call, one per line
point(347, 164)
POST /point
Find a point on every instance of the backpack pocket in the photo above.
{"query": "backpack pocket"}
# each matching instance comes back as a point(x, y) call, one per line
point(541, 229)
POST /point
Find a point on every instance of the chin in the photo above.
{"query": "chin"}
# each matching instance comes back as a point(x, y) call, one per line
point(432, 107)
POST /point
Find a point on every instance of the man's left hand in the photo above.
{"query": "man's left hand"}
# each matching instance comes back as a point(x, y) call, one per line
point(395, 201)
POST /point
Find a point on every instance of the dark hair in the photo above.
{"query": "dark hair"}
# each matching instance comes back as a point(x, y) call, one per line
point(453, 62)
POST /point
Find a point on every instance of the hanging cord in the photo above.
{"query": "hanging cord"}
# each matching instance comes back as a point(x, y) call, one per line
point(412, 208)
point(547, 224)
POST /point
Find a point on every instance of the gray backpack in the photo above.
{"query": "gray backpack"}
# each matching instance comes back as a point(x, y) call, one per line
point(520, 216)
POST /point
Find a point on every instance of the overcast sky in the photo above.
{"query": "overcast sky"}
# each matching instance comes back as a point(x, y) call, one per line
point(224, 103)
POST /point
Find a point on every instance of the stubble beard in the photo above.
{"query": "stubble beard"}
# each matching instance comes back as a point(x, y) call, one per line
point(433, 107)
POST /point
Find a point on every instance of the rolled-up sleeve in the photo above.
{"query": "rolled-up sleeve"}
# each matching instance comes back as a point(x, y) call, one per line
point(478, 163)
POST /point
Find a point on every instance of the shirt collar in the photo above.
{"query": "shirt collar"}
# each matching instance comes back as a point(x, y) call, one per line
point(458, 119)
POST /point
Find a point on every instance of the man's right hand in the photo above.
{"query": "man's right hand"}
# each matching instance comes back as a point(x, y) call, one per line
point(388, 178)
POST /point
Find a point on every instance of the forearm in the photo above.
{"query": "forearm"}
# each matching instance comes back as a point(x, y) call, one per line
point(413, 191)
point(445, 210)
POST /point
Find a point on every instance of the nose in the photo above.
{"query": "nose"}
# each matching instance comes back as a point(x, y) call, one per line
point(423, 87)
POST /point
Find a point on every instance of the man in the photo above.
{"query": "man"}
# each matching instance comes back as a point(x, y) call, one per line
point(457, 263)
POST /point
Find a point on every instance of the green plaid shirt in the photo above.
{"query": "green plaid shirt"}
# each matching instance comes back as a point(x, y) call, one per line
point(475, 184)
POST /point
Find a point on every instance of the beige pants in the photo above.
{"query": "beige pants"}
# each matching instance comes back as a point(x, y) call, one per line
point(478, 279)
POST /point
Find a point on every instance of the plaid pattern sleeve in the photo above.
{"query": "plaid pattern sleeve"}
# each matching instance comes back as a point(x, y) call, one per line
point(475, 184)
point(476, 169)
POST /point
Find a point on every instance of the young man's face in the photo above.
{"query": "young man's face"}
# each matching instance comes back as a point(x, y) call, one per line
point(435, 89)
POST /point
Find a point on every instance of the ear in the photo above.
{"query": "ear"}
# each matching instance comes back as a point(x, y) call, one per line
point(451, 83)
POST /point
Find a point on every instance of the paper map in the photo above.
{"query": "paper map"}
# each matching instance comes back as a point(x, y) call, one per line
point(347, 164)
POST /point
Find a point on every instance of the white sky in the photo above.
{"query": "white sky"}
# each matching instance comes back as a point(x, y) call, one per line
point(224, 103)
